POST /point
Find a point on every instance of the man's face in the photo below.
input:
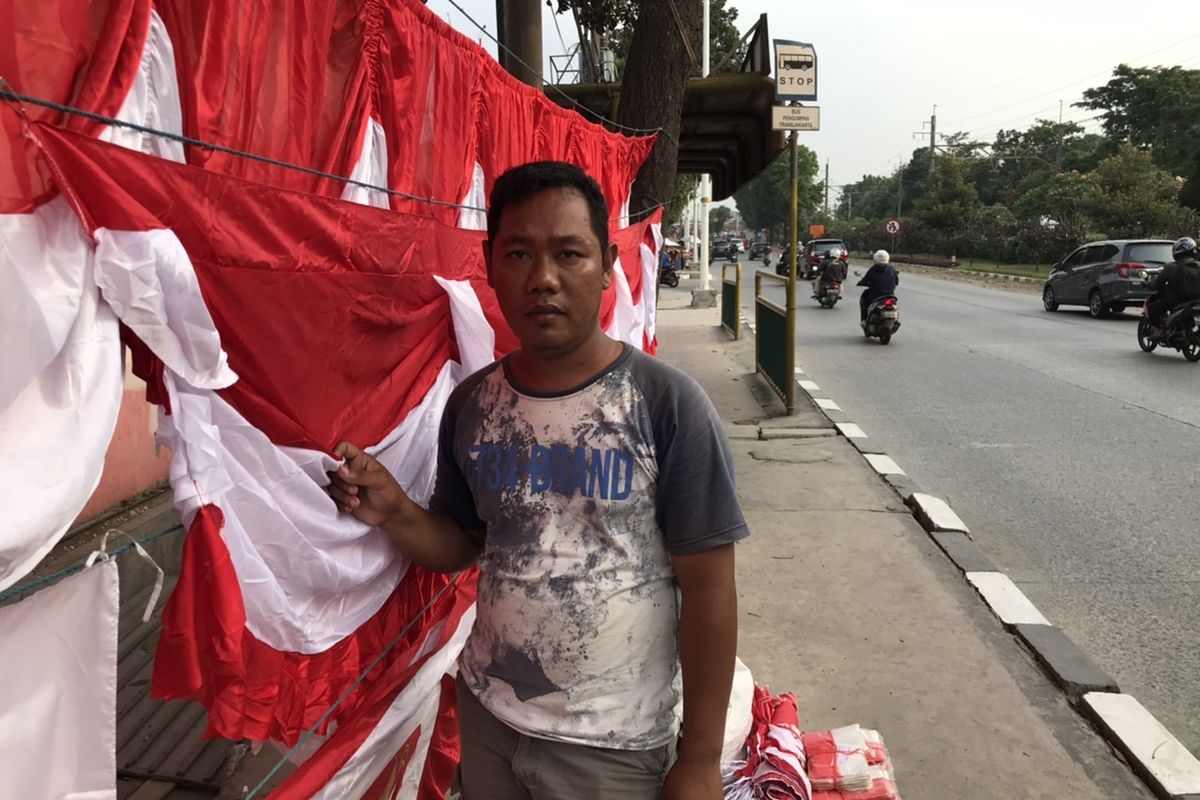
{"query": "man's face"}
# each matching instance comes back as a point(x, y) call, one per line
point(548, 272)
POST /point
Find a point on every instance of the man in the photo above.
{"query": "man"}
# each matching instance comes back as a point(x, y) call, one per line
point(1178, 283)
point(590, 481)
point(881, 280)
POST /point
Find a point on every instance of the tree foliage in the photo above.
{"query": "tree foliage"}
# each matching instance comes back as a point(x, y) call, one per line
point(765, 202)
point(719, 218)
point(685, 189)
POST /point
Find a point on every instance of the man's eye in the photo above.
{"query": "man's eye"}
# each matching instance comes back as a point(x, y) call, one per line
point(516, 254)
point(572, 255)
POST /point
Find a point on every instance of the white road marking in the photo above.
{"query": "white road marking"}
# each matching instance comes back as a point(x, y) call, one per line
point(808, 386)
point(940, 513)
point(1162, 755)
point(1009, 603)
point(825, 402)
point(851, 431)
point(884, 465)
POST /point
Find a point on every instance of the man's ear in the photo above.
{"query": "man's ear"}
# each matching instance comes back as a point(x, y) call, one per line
point(610, 258)
point(487, 261)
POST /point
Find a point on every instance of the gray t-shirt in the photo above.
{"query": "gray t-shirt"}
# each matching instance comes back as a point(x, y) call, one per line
point(584, 496)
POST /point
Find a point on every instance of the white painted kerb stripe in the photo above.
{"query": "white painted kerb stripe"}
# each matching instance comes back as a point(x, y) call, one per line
point(851, 431)
point(1148, 741)
point(939, 512)
point(884, 465)
point(808, 386)
point(1010, 605)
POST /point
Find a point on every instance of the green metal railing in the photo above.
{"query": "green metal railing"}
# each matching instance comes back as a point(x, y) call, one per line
point(731, 300)
point(774, 350)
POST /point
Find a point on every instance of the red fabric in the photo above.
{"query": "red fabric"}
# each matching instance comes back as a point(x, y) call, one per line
point(348, 288)
point(253, 691)
point(775, 730)
point(82, 54)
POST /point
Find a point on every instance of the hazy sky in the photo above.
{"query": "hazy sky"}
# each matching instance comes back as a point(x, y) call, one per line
point(883, 65)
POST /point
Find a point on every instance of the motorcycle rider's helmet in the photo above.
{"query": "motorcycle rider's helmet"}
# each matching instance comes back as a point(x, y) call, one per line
point(881, 257)
point(834, 254)
point(1184, 248)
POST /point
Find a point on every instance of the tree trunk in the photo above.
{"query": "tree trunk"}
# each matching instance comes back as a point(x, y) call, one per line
point(652, 90)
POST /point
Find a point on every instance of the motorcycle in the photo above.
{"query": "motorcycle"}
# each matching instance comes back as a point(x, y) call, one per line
point(827, 288)
point(1181, 330)
point(668, 276)
point(883, 319)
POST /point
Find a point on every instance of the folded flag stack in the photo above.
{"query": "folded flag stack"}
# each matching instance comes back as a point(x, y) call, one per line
point(849, 763)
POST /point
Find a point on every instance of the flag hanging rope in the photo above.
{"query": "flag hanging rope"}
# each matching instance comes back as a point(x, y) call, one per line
point(16, 97)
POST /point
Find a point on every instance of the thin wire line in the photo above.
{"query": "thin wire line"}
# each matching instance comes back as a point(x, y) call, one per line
point(350, 689)
point(54, 577)
point(546, 83)
point(6, 94)
point(79, 112)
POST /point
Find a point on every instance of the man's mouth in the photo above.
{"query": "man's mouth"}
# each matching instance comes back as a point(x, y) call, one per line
point(544, 312)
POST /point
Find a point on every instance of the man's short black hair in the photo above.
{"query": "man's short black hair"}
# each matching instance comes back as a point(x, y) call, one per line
point(520, 183)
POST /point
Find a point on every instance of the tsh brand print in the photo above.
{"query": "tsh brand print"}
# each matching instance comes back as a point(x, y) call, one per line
point(590, 471)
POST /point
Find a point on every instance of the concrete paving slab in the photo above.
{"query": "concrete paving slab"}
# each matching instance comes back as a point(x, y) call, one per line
point(1005, 599)
point(1173, 770)
point(935, 514)
point(1068, 666)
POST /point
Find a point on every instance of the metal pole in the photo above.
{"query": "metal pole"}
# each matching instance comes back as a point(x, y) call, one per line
point(932, 139)
point(705, 187)
point(827, 187)
point(790, 360)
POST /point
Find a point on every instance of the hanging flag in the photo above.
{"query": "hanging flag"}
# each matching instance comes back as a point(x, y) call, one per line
point(58, 696)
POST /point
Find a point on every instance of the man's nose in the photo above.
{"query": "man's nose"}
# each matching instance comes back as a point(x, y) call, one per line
point(543, 276)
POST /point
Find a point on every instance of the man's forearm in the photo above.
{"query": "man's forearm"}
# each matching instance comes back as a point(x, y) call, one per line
point(707, 649)
point(433, 540)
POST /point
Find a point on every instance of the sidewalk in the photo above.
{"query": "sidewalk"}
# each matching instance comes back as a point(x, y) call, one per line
point(847, 602)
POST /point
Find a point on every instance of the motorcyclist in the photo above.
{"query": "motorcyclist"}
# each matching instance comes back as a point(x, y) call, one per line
point(881, 280)
point(1179, 282)
point(830, 270)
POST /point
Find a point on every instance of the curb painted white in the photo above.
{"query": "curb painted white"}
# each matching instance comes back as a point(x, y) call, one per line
point(850, 430)
point(884, 465)
point(1006, 600)
point(1175, 769)
point(1160, 755)
point(939, 513)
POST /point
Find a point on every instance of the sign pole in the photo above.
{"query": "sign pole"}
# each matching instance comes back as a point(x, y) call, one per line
point(790, 359)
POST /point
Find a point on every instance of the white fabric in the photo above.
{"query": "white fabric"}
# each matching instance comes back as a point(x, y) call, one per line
point(474, 218)
point(650, 281)
point(625, 325)
point(148, 279)
point(371, 168)
point(474, 334)
point(739, 715)
point(416, 705)
point(153, 100)
point(58, 698)
point(309, 575)
point(61, 381)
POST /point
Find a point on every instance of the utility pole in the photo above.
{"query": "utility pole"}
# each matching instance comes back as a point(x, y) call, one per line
point(932, 139)
point(705, 183)
point(827, 187)
point(519, 29)
point(1058, 151)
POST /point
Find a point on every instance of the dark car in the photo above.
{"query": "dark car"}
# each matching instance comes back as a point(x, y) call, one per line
point(816, 250)
point(759, 249)
point(1105, 276)
point(720, 249)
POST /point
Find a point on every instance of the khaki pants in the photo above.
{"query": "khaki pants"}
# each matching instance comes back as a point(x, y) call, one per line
point(498, 763)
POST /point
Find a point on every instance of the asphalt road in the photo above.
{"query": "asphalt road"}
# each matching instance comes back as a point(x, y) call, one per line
point(1073, 457)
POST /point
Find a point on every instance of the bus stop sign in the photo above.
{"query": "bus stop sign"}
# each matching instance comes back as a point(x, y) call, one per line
point(795, 71)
